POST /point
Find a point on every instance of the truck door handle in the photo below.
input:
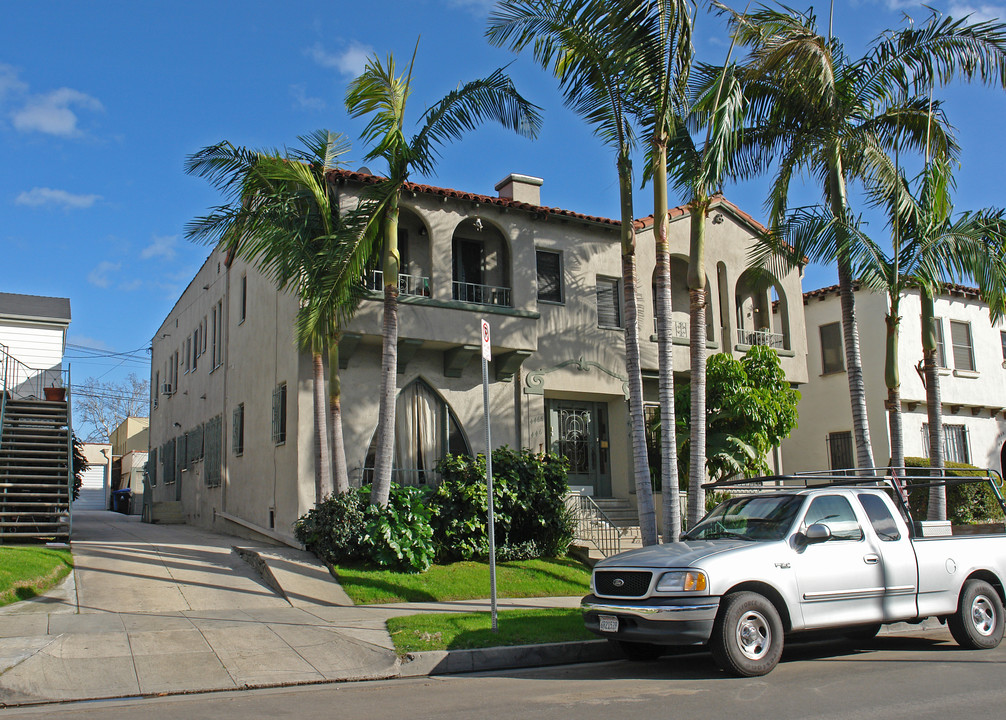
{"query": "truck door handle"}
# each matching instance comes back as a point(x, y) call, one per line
point(871, 559)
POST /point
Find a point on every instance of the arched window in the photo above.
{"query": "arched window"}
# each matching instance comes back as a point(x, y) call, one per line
point(426, 429)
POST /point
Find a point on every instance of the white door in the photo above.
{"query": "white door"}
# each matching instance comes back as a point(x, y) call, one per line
point(93, 489)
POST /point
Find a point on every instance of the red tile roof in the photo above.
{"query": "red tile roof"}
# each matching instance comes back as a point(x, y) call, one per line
point(366, 179)
point(718, 201)
point(948, 289)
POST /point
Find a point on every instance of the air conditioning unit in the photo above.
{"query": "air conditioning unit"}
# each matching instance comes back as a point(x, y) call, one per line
point(167, 389)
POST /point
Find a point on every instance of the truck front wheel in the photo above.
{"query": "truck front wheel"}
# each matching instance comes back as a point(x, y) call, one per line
point(978, 622)
point(747, 636)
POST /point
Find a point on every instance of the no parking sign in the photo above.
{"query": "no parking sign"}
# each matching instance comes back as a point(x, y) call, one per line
point(487, 353)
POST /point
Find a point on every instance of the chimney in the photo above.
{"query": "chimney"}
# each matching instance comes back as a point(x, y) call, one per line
point(520, 188)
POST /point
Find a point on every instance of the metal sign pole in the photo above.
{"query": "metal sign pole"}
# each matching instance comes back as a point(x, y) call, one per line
point(486, 357)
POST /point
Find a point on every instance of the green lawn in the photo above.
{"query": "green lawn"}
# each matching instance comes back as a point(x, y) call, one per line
point(26, 571)
point(436, 631)
point(465, 581)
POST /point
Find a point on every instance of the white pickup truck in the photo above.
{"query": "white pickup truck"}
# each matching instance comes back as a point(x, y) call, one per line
point(830, 553)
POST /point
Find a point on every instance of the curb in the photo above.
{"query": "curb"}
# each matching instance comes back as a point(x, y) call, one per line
point(445, 662)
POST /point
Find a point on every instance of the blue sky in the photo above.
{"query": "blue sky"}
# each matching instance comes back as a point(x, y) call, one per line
point(101, 102)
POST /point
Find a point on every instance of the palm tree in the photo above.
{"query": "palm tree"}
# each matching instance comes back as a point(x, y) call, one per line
point(381, 95)
point(592, 48)
point(668, 58)
point(837, 117)
point(282, 217)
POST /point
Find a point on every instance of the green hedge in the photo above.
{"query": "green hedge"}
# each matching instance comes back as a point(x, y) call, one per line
point(967, 503)
point(531, 518)
point(529, 508)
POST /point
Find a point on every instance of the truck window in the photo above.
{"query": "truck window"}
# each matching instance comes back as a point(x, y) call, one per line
point(835, 512)
point(880, 517)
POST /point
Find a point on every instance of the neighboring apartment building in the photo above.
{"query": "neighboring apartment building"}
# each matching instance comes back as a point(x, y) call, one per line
point(33, 338)
point(130, 441)
point(972, 357)
point(231, 427)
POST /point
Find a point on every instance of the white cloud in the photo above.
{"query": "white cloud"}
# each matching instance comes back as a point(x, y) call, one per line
point(101, 275)
point(978, 13)
point(132, 285)
point(303, 101)
point(350, 62)
point(53, 112)
point(160, 246)
point(9, 81)
point(39, 196)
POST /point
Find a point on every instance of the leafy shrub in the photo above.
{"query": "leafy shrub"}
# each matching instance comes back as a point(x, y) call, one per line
point(527, 550)
point(967, 503)
point(530, 513)
point(715, 498)
point(333, 530)
point(399, 536)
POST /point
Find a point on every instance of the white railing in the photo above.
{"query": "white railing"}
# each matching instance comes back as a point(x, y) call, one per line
point(482, 294)
point(760, 337)
point(407, 284)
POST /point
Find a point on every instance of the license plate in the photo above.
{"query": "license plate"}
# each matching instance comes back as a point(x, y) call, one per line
point(609, 623)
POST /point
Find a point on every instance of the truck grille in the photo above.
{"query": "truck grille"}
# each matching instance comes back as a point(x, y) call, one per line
point(622, 583)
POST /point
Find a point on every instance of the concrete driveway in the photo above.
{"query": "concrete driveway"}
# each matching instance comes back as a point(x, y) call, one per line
point(171, 608)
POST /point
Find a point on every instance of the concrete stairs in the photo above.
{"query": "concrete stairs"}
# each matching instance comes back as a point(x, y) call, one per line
point(622, 515)
point(34, 471)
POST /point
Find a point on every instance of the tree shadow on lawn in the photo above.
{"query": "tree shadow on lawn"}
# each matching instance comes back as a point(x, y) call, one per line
point(392, 590)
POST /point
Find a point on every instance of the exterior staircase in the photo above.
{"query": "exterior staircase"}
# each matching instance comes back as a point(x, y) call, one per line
point(34, 471)
point(603, 527)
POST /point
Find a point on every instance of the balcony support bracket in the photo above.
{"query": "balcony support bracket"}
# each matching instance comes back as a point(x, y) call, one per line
point(509, 363)
point(457, 358)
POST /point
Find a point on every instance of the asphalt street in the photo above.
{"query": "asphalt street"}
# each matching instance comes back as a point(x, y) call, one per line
point(916, 675)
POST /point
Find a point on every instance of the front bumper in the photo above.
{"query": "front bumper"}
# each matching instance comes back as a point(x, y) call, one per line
point(660, 621)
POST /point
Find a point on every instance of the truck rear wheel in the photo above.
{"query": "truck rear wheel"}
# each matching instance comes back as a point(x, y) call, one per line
point(978, 622)
point(747, 636)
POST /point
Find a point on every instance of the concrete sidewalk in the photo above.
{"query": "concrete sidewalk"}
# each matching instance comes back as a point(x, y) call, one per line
point(164, 609)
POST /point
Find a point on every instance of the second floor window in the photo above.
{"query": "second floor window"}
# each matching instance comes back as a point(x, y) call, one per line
point(608, 307)
point(1002, 337)
point(941, 345)
point(549, 276)
point(960, 337)
point(832, 357)
point(244, 299)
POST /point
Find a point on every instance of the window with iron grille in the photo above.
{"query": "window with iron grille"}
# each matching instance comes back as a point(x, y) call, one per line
point(832, 356)
point(279, 415)
point(549, 276)
point(151, 467)
point(956, 445)
point(608, 307)
point(212, 458)
point(960, 338)
point(168, 462)
point(244, 299)
point(840, 454)
point(238, 430)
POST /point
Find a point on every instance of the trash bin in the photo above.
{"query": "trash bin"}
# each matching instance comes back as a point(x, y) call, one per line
point(121, 500)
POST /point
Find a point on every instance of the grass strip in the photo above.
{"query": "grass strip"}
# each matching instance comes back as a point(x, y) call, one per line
point(28, 571)
point(464, 631)
point(553, 577)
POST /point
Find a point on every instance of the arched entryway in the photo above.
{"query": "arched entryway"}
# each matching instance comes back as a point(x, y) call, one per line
point(426, 429)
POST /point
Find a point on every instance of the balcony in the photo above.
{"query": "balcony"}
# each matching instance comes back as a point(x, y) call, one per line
point(482, 294)
point(407, 284)
point(761, 337)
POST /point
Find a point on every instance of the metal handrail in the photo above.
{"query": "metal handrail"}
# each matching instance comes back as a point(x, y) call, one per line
point(593, 525)
point(482, 294)
point(418, 285)
point(760, 337)
point(25, 382)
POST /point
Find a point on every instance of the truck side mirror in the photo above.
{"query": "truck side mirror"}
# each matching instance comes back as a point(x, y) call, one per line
point(817, 533)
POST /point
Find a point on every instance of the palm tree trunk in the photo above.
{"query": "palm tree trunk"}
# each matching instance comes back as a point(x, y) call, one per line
point(640, 463)
point(340, 472)
point(893, 380)
point(669, 482)
point(697, 347)
point(384, 459)
point(322, 462)
point(850, 328)
point(937, 509)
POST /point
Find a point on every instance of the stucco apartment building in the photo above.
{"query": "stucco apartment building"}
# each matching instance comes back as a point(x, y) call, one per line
point(231, 424)
point(972, 358)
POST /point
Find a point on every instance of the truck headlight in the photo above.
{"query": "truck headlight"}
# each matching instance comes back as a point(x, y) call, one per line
point(682, 581)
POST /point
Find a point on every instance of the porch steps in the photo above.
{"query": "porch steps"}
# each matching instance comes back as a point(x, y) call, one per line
point(622, 515)
point(34, 471)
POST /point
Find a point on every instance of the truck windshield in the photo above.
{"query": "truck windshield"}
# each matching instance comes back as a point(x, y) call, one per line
point(748, 518)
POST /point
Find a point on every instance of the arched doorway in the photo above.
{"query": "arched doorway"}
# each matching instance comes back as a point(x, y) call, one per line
point(426, 429)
